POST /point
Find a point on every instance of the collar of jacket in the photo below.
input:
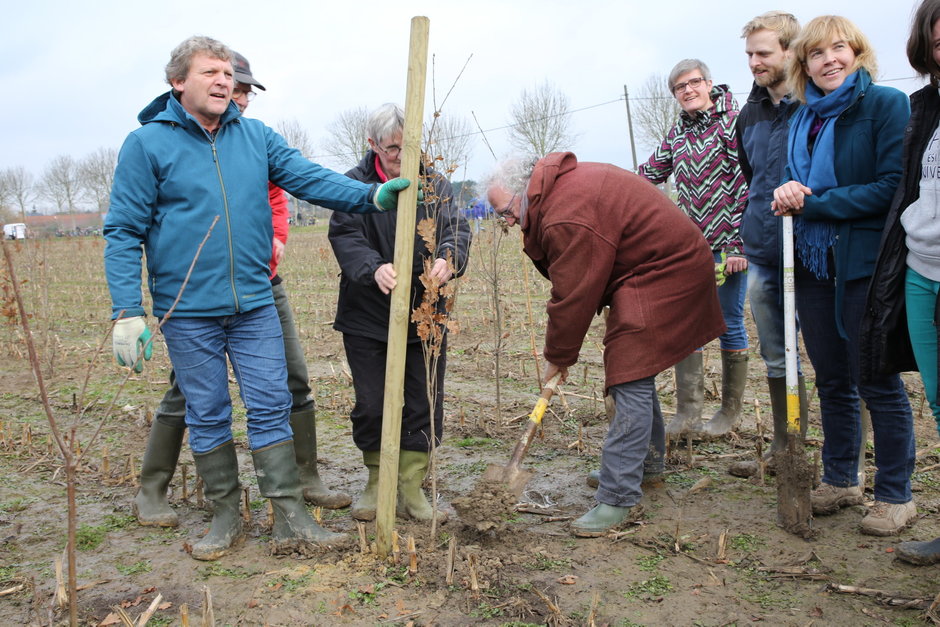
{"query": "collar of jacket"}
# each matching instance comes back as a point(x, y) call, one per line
point(167, 108)
point(723, 101)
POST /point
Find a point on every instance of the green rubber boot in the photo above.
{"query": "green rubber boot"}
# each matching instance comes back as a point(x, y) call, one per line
point(304, 425)
point(278, 480)
point(690, 394)
point(733, 382)
point(599, 521)
point(151, 506)
point(364, 507)
point(412, 467)
point(219, 471)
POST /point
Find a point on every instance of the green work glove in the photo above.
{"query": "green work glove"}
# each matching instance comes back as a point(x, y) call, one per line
point(386, 196)
point(720, 276)
point(129, 337)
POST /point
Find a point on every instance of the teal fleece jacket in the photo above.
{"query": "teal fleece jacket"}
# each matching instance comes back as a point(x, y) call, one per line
point(173, 178)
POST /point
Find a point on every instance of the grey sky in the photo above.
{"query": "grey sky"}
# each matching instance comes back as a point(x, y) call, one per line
point(76, 74)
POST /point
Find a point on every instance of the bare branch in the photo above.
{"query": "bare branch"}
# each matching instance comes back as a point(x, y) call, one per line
point(347, 140)
point(541, 121)
point(655, 111)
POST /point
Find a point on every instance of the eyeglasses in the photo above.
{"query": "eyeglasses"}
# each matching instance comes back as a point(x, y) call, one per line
point(247, 93)
point(392, 151)
point(692, 83)
point(506, 211)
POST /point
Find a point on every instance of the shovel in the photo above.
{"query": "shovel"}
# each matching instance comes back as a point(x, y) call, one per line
point(794, 472)
point(514, 477)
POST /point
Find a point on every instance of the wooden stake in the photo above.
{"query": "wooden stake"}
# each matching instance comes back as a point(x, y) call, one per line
point(184, 470)
point(61, 594)
point(396, 548)
point(399, 313)
point(208, 614)
point(148, 613)
point(451, 560)
point(412, 556)
point(105, 462)
point(471, 565)
point(721, 555)
point(363, 540)
point(184, 615)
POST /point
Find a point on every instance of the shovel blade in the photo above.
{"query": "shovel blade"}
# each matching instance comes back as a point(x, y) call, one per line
point(512, 477)
point(794, 484)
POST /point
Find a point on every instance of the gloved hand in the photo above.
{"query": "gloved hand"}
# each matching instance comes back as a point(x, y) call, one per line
point(130, 335)
point(720, 275)
point(386, 196)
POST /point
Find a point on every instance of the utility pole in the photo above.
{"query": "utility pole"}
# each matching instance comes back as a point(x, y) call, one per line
point(626, 99)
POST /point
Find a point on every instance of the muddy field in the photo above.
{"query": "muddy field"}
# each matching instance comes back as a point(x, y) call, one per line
point(704, 550)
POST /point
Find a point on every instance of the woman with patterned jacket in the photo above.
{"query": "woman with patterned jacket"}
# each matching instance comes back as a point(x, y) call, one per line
point(701, 152)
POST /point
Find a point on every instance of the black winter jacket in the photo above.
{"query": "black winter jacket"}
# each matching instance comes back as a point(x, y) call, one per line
point(762, 129)
point(885, 343)
point(362, 243)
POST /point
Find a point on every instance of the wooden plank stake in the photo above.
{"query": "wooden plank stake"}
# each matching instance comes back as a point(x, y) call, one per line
point(400, 312)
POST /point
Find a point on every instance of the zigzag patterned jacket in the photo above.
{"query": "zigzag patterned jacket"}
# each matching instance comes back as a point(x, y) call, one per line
point(701, 151)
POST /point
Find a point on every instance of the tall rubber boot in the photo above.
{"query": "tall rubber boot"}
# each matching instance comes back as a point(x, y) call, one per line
point(219, 471)
point(778, 405)
point(304, 425)
point(151, 506)
point(278, 480)
point(364, 507)
point(733, 382)
point(690, 394)
point(412, 502)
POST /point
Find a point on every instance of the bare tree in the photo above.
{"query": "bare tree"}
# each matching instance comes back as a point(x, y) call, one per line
point(96, 175)
point(61, 183)
point(6, 199)
point(449, 141)
point(655, 111)
point(296, 136)
point(347, 140)
point(19, 182)
point(541, 121)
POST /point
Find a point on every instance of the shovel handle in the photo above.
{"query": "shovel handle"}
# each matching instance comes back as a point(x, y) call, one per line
point(535, 419)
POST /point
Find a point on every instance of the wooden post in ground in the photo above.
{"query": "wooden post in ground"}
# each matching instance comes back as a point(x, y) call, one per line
point(401, 295)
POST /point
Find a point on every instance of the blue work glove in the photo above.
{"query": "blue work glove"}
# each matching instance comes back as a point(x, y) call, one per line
point(386, 196)
point(129, 337)
point(720, 275)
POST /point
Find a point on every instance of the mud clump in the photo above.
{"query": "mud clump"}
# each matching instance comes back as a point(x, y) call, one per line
point(487, 507)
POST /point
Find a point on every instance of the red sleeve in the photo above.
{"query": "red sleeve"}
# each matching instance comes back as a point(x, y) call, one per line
point(279, 217)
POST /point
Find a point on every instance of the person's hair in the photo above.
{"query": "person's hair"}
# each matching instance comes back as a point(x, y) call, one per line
point(511, 174)
point(684, 66)
point(821, 31)
point(182, 56)
point(920, 43)
point(783, 24)
point(385, 122)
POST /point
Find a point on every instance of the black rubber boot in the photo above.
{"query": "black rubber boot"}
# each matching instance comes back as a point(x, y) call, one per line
point(599, 521)
point(364, 507)
point(304, 425)
point(690, 394)
point(151, 506)
point(219, 471)
point(278, 480)
point(733, 382)
point(920, 553)
point(412, 502)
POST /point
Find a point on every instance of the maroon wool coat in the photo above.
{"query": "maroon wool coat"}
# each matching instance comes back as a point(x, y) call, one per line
point(604, 236)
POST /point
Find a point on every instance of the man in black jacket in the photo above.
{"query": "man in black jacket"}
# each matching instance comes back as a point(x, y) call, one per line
point(763, 126)
point(364, 248)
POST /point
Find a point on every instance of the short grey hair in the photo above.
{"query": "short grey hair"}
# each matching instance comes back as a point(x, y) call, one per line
point(685, 66)
point(512, 175)
point(182, 56)
point(385, 122)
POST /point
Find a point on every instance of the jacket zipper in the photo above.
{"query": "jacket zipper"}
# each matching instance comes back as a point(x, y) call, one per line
point(228, 224)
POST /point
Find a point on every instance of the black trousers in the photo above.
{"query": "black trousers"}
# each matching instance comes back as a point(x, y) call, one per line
point(366, 359)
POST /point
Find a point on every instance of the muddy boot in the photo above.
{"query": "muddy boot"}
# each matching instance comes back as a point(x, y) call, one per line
point(650, 480)
point(278, 480)
point(163, 451)
point(599, 521)
point(412, 467)
point(690, 394)
point(304, 425)
point(364, 507)
point(733, 382)
point(219, 471)
point(778, 404)
point(920, 553)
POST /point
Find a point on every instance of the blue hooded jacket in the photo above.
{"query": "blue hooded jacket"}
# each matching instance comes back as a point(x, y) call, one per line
point(173, 178)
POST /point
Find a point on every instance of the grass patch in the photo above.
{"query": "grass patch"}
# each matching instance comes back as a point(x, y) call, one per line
point(478, 442)
point(747, 542)
point(90, 537)
point(287, 583)
point(543, 562)
point(217, 570)
point(649, 589)
point(137, 568)
point(650, 563)
point(367, 595)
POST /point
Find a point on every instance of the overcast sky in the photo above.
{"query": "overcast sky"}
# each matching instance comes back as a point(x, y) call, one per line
point(75, 74)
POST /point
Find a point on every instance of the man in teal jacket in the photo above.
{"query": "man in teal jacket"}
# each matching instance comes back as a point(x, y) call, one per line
point(193, 160)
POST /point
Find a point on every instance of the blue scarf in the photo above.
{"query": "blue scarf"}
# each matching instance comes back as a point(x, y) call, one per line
point(817, 171)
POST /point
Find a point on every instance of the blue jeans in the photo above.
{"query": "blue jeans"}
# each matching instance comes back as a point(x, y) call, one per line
point(731, 298)
point(635, 444)
point(920, 295)
point(254, 345)
point(836, 362)
point(765, 289)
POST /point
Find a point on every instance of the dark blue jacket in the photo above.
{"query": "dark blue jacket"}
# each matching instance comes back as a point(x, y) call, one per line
point(763, 128)
point(172, 179)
